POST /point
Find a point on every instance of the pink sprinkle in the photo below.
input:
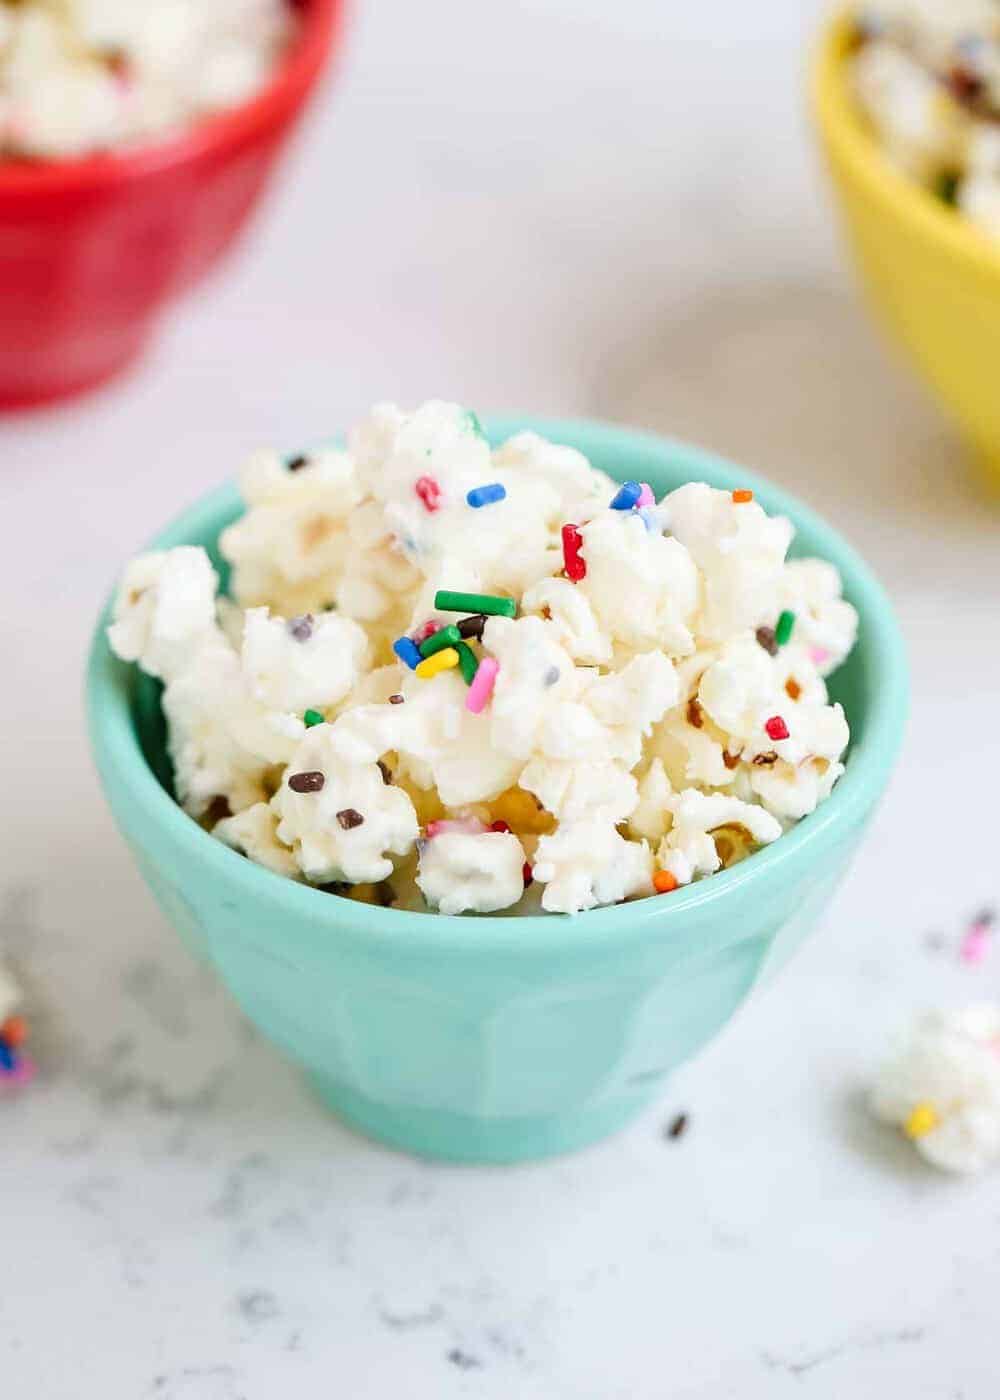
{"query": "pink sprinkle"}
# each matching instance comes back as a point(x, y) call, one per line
point(975, 944)
point(426, 630)
point(22, 1073)
point(817, 655)
point(482, 685)
point(646, 497)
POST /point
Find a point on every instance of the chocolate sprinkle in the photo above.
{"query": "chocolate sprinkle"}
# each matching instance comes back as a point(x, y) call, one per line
point(306, 782)
point(678, 1127)
point(766, 760)
point(694, 714)
point(301, 627)
point(395, 699)
point(383, 768)
point(766, 638)
point(472, 626)
point(349, 818)
point(295, 464)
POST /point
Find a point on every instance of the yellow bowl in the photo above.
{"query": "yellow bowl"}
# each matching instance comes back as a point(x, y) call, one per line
point(933, 278)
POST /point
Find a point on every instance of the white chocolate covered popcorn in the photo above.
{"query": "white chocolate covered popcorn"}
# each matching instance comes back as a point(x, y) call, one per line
point(79, 76)
point(927, 76)
point(942, 1088)
point(662, 691)
point(471, 872)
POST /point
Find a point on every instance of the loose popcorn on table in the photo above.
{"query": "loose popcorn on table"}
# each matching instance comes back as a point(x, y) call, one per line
point(927, 75)
point(460, 679)
point(81, 76)
point(942, 1088)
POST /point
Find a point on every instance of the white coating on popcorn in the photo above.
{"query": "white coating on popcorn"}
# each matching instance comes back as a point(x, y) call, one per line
point(79, 76)
point(627, 731)
point(942, 1087)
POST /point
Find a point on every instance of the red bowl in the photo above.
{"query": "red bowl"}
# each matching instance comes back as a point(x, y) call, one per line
point(92, 249)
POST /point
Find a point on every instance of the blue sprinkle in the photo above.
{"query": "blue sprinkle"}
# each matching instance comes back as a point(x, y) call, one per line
point(407, 651)
point(486, 495)
point(627, 496)
point(8, 1060)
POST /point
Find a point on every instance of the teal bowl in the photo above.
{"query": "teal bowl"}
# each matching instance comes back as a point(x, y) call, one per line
point(500, 1039)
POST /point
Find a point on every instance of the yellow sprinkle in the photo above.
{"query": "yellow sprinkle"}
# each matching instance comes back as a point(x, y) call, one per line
point(440, 661)
point(921, 1121)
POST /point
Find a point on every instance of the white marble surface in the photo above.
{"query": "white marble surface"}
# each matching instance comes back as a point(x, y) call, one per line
point(567, 207)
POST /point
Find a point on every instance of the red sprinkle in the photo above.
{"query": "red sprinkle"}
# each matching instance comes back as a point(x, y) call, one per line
point(425, 630)
point(429, 492)
point(14, 1031)
point(499, 826)
point(526, 874)
point(776, 728)
point(572, 543)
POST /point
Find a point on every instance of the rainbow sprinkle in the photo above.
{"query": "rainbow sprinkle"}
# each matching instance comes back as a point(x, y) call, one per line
point(627, 497)
point(646, 497)
point(573, 562)
point(784, 627)
point(407, 651)
point(486, 495)
point(313, 717)
point(440, 661)
point(482, 686)
point(776, 728)
point(467, 662)
point(447, 601)
point(439, 639)
point(429, 492)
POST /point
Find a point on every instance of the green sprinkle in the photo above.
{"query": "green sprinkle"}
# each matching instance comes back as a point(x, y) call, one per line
point(312, 717)
point(946, 187)
point(437, 641)
point(784, 627)
point(474, 424)
point(445, 601)
point(467, 662)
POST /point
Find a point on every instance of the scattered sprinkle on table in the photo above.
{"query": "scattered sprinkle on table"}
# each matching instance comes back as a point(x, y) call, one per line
point(573, 562)
point(488, 495)
point(408, 652)
point(440, 661)
point(742, 498)
point(311, 718)
point(776, 728)
point(678, 1127)
point(429, 493)
point(627, 496)
point(481, 688)
point(439, 639)
point(307, 782)
point(976, 942)
point(295, 464)
point(349, 818)
point(784, 628)
point(447, 601)
point(664, 882)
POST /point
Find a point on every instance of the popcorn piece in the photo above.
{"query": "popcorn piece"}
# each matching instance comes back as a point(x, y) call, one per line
point(571, 620)
point(318, 819)
point(740, 551)
point(254, 832)
point(688, 849)
point(304, 662)
point(643, 588)
point(471, 873)
point(288, 550)
point(826, 626)
point(164, 610)
point(574, 790)
point(942, 1088)
point(586, 863)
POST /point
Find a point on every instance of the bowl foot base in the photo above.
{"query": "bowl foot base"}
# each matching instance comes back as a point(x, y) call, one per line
point(458, 1137)
point(27, 393)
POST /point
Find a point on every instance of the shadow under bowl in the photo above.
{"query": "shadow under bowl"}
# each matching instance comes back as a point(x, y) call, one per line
point(502, 1038)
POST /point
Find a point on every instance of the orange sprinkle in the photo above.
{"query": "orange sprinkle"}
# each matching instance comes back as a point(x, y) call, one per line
point(792, 688)
point(14, 1031)
point(740, 498)
point(664, 882)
